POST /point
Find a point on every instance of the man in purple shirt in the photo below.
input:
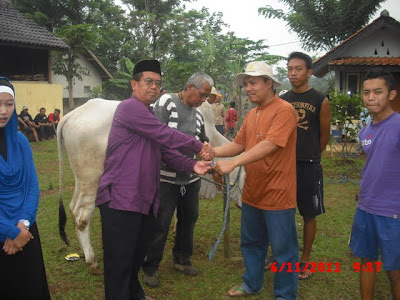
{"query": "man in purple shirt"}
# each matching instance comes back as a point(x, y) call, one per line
point(376, 225)
point(128, 192)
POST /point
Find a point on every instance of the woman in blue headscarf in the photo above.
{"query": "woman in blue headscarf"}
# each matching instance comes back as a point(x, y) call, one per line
point(22, 270)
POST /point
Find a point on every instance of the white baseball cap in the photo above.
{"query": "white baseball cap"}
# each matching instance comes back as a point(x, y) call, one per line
point(257, 68)
point(213, 91)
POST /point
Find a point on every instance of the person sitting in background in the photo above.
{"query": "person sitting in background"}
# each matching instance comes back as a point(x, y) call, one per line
point(26, 124)
point(231, 118)
point(22, 273)
point(45, 128)
point(54, 119)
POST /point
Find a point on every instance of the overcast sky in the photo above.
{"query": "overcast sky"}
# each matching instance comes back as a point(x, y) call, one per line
point(243, 19)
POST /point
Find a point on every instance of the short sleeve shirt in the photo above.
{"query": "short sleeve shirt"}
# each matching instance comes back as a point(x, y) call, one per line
point(219, 113)
point(270, 183)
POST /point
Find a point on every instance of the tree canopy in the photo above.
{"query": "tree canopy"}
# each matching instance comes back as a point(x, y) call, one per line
point(184, 41)
point(323, 24)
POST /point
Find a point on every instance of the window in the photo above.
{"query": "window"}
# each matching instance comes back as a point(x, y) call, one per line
point(86, 89)
point(352, 83)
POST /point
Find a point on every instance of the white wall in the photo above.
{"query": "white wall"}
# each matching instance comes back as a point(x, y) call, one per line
point(92, 80)
point(366, 47)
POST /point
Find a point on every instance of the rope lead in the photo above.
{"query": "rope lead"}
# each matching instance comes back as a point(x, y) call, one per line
point(215, 246)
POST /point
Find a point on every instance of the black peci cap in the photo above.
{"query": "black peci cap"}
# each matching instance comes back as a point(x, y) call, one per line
point(147, 66)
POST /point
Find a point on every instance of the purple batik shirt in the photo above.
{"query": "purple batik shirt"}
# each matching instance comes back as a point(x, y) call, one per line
point(137, 143)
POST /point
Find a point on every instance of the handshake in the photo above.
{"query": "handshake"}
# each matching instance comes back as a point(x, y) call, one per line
point(222, 167)
point(207, 152)
point(205, 165)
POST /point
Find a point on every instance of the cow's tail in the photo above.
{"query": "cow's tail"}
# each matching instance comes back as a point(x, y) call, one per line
point(62, 217)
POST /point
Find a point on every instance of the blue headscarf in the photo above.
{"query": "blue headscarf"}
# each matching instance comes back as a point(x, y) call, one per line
point(19, 189)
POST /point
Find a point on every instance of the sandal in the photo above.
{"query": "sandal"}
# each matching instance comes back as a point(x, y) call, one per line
point(237, 291)
point(305, 273)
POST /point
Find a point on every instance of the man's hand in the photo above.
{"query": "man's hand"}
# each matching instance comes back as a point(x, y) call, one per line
point(223, 167)
point(207, 152)
point(202, 167)
point(10, 248)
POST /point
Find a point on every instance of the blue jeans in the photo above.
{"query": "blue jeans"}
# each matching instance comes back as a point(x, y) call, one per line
point(278, 228)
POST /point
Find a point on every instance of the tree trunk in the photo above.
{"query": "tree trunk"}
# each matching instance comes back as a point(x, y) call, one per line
point(70, 94)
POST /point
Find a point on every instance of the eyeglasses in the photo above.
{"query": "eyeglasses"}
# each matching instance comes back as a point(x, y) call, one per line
point(203, 96)
point(149, 82)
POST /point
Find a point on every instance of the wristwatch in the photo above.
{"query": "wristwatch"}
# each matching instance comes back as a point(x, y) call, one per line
point(25, 222)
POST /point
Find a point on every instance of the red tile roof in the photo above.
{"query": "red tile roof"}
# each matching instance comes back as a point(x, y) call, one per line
point(320, 66)
point(367, 61)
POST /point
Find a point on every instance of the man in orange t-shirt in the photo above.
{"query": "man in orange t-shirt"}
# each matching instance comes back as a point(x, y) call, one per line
point(267, 144)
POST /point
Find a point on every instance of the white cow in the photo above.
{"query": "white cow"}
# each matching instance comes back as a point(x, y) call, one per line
point(85, 133)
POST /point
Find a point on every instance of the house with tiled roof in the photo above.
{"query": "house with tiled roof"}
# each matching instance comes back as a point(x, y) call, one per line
point(375, 45)
point(26, 49)
point(25, 46)
point(97, 73)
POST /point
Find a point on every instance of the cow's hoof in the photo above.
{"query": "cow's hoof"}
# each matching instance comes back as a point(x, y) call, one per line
point(96, 271)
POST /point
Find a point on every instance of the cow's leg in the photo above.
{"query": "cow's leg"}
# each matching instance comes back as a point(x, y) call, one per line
point(86, 246)
point(82, 212)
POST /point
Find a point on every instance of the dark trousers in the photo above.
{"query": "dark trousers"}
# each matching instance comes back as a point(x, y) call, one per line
point(185, 199)
point(220, 129)
point(230, 133)
point(126, 237)
point(45, 132)
point(23, 275)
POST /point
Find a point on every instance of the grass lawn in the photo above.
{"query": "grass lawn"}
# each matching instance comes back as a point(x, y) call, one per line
point(71, 280)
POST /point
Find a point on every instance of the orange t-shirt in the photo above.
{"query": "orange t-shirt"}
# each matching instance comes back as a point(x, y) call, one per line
point(270, 183)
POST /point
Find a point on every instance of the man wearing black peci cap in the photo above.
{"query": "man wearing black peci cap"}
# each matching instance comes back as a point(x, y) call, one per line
point(128, 192)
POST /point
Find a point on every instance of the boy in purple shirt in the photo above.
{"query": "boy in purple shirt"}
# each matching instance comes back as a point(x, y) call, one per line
point(376, 226)
point(128, 192)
